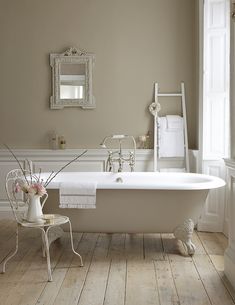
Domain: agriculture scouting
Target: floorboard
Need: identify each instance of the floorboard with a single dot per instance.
(119, 269)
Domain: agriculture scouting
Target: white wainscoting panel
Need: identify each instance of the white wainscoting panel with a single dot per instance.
(229, 257)
(212, 219)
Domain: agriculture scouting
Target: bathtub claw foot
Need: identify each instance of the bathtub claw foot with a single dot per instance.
(184, 233)
(190, 247)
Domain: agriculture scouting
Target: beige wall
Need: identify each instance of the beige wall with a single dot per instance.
(136, 43)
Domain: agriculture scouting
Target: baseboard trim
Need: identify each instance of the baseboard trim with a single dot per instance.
(209, 227)
(6, 214)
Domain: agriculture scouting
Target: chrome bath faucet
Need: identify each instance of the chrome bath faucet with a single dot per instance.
(118, 155)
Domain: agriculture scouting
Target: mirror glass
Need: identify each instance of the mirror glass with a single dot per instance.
(72, 79)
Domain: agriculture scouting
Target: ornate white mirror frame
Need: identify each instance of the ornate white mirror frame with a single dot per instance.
(77, 58)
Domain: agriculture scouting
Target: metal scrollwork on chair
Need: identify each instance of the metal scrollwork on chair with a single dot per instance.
(17, 203)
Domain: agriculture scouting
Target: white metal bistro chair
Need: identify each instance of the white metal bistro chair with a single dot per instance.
(18, 206)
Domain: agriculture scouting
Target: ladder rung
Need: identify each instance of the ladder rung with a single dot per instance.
(180, 94)
(169, 94)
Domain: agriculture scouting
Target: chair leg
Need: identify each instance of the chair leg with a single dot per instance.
(14, 253)
(45, 237)
(71, 238)
(43, 246)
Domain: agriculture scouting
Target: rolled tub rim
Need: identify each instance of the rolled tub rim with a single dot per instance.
(202, 181)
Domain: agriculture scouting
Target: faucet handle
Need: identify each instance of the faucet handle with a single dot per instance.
(132, 161)
(132, 156)
(109, 162)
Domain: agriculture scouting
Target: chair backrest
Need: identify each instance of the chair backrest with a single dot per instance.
(18, 201)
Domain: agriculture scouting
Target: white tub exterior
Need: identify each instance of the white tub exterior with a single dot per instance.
(143, 202)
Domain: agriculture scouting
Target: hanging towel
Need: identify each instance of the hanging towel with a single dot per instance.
(173, 170)
(174, 122)
(76, 195)
(170, 140)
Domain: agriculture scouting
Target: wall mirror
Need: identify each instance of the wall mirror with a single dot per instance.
(72, 79)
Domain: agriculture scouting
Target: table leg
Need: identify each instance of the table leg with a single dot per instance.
(71, 238)
(14, 253)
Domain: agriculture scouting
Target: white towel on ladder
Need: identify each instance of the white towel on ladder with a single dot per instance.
(78, 195)
(171, 136)
(174, 122)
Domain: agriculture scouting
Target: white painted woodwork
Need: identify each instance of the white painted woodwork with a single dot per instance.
(230, 251)
(226, 209)
(215, 107)
(216, 80)
(212, 219)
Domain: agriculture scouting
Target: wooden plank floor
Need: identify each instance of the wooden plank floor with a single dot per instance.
(119, 269)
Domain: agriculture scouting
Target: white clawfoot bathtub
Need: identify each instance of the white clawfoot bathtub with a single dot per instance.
(139, 202)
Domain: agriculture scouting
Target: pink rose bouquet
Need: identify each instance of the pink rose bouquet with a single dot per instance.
(34, 188)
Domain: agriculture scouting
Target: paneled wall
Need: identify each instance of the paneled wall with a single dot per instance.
(229, 257)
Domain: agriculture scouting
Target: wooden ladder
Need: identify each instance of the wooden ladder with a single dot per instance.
(158, 95)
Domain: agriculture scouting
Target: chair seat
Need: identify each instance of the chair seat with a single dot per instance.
(57, 220)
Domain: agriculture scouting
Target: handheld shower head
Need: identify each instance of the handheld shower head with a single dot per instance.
(102, 145)
(115, 136)
(118, 136)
